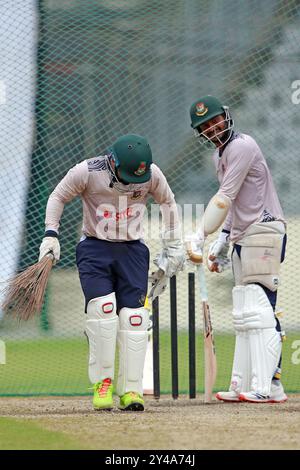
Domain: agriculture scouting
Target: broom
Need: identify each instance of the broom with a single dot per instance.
(25, 292)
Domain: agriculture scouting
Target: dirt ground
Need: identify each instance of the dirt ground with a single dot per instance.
(165, 424)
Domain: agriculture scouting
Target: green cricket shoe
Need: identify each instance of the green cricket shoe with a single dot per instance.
(103, 395)
(131, 401)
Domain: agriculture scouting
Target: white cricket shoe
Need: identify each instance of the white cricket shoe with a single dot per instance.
(229, 397)
(277, 395)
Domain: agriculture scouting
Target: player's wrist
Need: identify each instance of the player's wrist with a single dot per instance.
(50, 233)
(224, 237)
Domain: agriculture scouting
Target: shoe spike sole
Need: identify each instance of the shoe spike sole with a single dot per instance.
(133, 407)
(103, 409)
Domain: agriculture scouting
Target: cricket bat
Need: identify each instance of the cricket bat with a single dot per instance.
(210, 360)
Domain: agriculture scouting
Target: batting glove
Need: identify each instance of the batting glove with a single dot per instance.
(217, 259)
(194, 247)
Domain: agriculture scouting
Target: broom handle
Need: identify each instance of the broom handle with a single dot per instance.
(49, 255)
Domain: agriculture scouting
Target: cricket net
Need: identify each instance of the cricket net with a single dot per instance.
(77, 74)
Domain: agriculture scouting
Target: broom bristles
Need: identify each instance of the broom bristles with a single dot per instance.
(25, 292)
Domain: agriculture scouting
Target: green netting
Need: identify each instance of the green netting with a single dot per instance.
(92, 70)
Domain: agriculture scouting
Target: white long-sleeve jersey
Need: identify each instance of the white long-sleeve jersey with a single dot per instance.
(107, 213)
(245, 178)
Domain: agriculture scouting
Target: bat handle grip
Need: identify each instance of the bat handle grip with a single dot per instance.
(202, 282)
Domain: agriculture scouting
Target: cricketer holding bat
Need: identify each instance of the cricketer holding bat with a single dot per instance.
(113, 260)
(248, 207)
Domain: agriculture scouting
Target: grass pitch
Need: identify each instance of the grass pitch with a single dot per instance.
(24, 434)
(71, 422)
(59, 366)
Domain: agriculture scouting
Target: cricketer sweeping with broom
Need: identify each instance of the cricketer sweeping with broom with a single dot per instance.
(113, 260)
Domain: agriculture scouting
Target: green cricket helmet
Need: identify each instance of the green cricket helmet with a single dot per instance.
(205, 109)
(133, 157)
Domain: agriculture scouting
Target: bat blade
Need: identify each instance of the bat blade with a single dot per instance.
(210, 361)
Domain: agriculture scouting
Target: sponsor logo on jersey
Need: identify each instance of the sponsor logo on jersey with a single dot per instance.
(136, 195)
(107, 214)
(201, 109)
(141, 169)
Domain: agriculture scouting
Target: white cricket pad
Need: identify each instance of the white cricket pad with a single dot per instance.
(132, 342)
(101, 330)
(264, 339)
(148, 385)
(241, 369)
